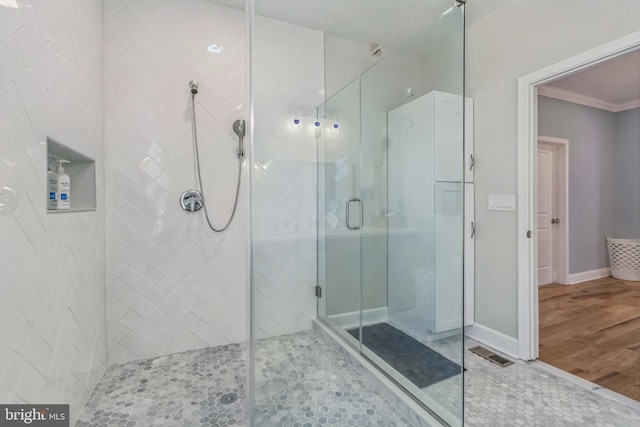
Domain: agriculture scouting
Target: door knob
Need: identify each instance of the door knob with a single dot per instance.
(555, 221)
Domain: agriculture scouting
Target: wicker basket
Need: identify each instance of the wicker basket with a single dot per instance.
(624, 257)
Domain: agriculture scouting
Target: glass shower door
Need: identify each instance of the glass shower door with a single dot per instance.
(412, 163)
(339, 204)
(390, 235)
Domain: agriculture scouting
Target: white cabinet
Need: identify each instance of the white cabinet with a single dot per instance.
(469, 252)
(469, 158)
(426, 187)
(469, 214)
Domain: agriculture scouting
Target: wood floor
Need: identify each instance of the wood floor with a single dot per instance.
(592, 330)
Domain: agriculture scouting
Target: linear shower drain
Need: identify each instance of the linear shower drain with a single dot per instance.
(491, 356)
(228, 398)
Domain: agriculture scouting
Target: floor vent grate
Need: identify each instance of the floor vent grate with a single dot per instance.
(491, 356)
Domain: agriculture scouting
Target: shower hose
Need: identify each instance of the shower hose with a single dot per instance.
(195, 148)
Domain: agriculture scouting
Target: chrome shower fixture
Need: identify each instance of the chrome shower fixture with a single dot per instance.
(376, 49)
(193, 200)
(240, 128)
(194, 87)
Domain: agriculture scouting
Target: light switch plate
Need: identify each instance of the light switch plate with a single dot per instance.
(502, 202)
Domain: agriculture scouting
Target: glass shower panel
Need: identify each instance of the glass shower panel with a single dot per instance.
(339, 207)
(379, 165)
(412, 191)
(287, 86)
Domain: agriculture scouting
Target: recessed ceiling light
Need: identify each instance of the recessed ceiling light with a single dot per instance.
(214, 48)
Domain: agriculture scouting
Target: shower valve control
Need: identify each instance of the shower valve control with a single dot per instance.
(191, 200)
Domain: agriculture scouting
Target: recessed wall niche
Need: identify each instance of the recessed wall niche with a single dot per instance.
(82, 175)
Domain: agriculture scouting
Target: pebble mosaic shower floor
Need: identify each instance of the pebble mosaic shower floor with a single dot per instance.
(179, 390)
(302, 381)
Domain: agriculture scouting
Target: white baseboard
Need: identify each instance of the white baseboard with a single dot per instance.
(370, 316)
(585, 276)
(494, 339)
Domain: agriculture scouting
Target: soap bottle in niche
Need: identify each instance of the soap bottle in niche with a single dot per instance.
(52, 190)
(63, 186)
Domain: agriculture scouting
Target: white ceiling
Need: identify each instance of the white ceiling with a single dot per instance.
(388, 22)
(613, 85)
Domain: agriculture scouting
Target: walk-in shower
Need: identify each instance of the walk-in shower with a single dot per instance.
(371, 147)
(193, 200)
(339, 197)
(334, 295)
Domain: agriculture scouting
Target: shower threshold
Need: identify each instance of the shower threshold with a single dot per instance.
(417, 412)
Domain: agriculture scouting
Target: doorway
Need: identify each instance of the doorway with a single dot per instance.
(537, 220)
(528, 334)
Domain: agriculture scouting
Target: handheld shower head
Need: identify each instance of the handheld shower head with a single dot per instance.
(239, 127)
(194, 87)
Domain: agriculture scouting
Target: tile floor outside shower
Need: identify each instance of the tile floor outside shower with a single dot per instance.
(302, 381)
(523, 394)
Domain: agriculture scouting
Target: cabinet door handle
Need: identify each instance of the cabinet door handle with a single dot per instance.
(473, 229)
(349, 226)
(555, 221)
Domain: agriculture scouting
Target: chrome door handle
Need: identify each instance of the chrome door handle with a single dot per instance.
(349, 226)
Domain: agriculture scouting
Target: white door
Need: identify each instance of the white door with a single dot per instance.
(546, 211)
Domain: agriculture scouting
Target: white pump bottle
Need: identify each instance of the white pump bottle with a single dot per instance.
(59, 188)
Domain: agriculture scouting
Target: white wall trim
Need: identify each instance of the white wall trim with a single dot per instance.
(577, 98)
(494, 339)
(585, 276)
(370, 316)
(527, 149)
(628, 106)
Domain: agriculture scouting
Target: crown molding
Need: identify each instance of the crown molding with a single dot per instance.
(629, 105)
(576, 98)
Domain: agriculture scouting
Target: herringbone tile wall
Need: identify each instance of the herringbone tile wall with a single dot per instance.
(52, 321)
(288, 82)
(172, 284)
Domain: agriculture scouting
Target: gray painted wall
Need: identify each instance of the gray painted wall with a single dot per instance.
(518, 38)
(592, 169)
(604, 176)
(627, 175)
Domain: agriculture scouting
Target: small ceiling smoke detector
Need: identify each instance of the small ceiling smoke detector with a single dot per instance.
(376, 49)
